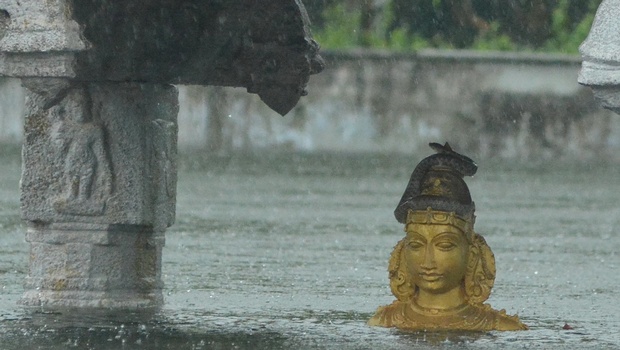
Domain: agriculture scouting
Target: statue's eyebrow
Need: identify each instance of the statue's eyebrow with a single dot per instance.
(447, 233)
(415, 234)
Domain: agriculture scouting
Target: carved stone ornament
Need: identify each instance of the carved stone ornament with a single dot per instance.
(86, 170)
(441, 272)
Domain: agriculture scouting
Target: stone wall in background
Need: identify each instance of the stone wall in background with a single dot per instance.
(515, 106)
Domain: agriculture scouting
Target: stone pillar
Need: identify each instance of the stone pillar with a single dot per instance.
(98, 191)
(601, 56)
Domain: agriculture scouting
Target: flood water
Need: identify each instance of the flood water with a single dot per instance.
(289, 251)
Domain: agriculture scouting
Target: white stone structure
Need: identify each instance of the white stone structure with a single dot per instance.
(601, 56)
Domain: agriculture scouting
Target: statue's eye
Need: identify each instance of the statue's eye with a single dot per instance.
(446, 245)
(416, 245)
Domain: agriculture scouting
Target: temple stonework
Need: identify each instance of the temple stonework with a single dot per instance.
(98, 187)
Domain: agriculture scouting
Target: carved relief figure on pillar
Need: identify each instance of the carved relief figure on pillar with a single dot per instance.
(87, 174)
(442, 271)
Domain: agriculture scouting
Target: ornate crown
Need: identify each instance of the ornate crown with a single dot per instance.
(437, 183)
(436, 217)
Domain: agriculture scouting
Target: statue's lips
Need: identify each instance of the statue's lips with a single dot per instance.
(431, 277)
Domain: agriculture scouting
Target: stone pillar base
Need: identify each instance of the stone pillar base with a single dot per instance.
(94, 265)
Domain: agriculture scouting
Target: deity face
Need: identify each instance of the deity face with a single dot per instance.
(76, 106)
(436, 257)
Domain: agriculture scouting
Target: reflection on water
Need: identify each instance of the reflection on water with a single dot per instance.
(281, 251)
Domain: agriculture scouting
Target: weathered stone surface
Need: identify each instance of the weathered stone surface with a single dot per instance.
(601, 56)
(100, 153)
(36, 64)
(38, 26)
(263, 46)
(88, 265)
(601, 49)
(98, 190)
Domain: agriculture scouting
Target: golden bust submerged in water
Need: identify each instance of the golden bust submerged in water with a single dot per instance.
(442, 271)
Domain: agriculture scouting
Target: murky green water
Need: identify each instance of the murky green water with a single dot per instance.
(289, 251)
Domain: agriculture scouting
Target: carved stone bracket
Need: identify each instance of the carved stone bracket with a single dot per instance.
(265, 46)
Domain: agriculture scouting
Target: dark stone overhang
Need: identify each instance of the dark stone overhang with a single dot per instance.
(264, 46)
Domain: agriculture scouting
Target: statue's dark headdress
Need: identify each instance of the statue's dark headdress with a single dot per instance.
(437, 183)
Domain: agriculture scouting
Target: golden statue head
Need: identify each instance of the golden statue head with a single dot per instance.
(442, 271)
(441, 251)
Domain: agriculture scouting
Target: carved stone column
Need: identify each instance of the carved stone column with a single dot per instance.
(98, 191)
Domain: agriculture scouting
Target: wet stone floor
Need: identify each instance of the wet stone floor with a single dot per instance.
(289, 251)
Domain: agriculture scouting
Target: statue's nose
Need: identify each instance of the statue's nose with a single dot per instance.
(429, 258)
